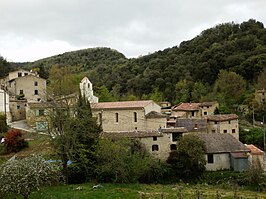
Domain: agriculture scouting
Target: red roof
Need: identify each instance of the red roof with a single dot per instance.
(187, 107)
(121, 105)
(254, 150)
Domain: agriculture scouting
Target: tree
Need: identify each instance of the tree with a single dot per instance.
(122, 160)
(3, 124)
(188, 161)
(22, 176)
(230, 87)
(261, 83)
(74, 134)
(4, 67)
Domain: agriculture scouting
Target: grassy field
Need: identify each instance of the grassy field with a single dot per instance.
(140, 191)
(39, 144)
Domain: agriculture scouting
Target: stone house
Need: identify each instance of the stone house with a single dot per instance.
(227, 123)
(158, 143)
(224, 152)
(37, 115)
(129, 115)
(33, 88)
(191, 110)
(257, 156)
(195, 125)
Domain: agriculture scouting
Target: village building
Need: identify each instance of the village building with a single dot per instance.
(129, 115)
(225, 124)
(256, 156)
(195, 125)
(22, 87)
(224, 152)
(159, 143)
(195, 110)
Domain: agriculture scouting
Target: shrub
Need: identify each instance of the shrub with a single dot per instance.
(22, 176)
(14, 141)
(3, 125)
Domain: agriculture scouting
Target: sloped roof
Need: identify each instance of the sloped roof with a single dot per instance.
(121, 105)
(174, 130)
(208, 103)
(131, 134)
(222, 143)
(254, 150)
(154, 114)
(220, 118)
(187, 107)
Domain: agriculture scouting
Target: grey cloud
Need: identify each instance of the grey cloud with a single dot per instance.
(133, 26)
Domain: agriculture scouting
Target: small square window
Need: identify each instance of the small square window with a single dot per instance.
(18, 106)
(225, 131)
(213, 131)
(233, 131)
(215, 122)
(36, 92)
(41, 112)
(35, 83)
(19, 74)
(25, 74)
(229, 122)
(154, 138)
(205, 113)
(21, 92)
(155, 147)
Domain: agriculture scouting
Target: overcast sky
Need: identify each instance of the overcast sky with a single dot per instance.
(34, 29)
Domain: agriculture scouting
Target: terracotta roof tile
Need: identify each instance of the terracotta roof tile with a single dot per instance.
(154, 114)
(187, 107)
(121, 105)
(220, 118)
(254, 150)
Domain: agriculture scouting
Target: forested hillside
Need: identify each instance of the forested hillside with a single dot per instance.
(188, 72)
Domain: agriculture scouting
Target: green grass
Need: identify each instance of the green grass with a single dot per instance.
(132, 191)
(39, 144)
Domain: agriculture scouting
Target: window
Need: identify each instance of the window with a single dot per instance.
(195, 126)
(41, 112)
(116, 117)
(173, 147)
(19, 74)
(21, 92)
(155, 147)
(35, 83)
(176, 136)
(225, 131)
(229, 122)
(215, 122)
(36, 92)
(210, 158)
(18, 106)
(233, 131)
(154, 138)
(208, 107)
(193, 113)
(205, 113)
(25, 74)
(135, 117)
(213, 131)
